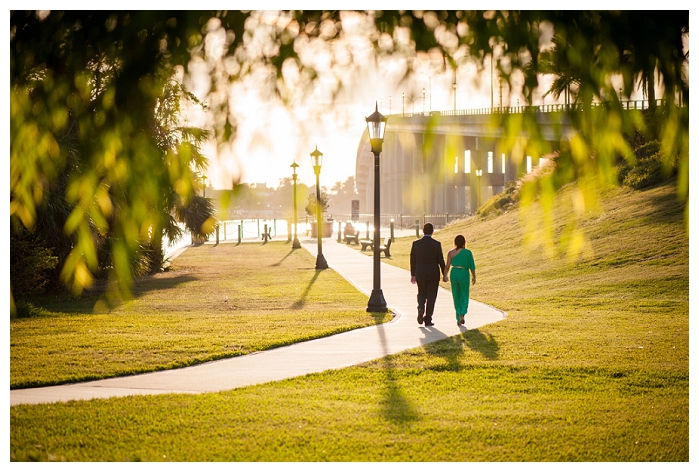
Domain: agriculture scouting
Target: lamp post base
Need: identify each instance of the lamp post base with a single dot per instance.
(296, 244)
(377, 304)
(321, 263)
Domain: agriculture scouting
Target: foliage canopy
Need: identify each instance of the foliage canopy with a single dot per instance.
(84, 87)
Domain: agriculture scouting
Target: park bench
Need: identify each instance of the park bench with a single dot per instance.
(351, 235)
(266, 234)
(385, 248)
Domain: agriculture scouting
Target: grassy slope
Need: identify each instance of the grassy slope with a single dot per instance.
(591, 365)
(626, 303)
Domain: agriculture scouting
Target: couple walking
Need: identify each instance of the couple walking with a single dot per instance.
(426, 262)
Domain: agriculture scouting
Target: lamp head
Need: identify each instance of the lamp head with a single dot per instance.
(376, 125)
(317, 160)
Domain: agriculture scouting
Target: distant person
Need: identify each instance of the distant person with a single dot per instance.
(460, 261)
(426, 262)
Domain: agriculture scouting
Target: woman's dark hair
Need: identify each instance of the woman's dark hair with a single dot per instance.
(460, 242)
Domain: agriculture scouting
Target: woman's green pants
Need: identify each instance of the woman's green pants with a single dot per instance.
(460, 283)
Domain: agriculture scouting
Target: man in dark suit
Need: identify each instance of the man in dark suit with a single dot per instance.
(426, 263)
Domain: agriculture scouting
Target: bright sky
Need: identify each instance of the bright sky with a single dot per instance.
(270, 136)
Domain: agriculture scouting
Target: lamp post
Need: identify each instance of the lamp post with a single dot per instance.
(430, 81)
(317, 163)
(500, 83)
(376, 124)
(454, 87)
(479, 173)
(403, 103)
(491, 83)
(296, 244)
(423, 100)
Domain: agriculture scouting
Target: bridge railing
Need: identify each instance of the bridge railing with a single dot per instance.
(552, 108)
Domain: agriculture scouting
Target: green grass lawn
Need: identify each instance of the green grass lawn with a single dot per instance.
(592, 364)
(215, 302)
(626, 303)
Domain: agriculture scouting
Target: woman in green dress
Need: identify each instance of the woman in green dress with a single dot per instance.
(462, 265)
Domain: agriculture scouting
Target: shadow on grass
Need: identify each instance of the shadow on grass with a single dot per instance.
(298, 304)
(483, 343)
(665, 208)
(149, 284)
(394, 406)
(451, 349)
(68, 304)
(277, 264)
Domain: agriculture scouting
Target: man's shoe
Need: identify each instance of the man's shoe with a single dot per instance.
(429, 323)
(420, 314)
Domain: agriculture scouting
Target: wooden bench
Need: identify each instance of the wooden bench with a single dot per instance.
(385, 248)
(351, 235)
(351, 238)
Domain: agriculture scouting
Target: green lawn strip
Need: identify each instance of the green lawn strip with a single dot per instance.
(215, 302)
(592, 364)
(408, 407)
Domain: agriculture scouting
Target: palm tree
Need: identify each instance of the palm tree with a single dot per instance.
(567, 75)
(180, 144)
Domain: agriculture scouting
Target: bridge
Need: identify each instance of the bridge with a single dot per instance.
(453, 161)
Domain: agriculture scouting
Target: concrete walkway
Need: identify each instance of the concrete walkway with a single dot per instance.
(333, 352)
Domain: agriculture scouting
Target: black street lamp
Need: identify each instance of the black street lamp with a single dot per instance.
(376, 123)
(296, 244)
(317, 163)
(479, 174)
(454, 87)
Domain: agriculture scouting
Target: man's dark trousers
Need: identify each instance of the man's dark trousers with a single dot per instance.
(427, 266)
(427, 292)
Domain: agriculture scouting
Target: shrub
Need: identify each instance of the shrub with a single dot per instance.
(647, 172)
(311, 207)
(30, 263)
(502, 200)
(26, 310)
(651, 167)
(648, 150)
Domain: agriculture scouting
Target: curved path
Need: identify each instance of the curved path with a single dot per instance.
(332, 352)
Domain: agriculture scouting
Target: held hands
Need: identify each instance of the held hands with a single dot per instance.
(445, 278)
